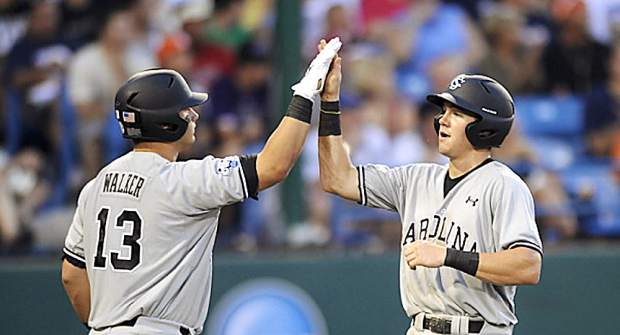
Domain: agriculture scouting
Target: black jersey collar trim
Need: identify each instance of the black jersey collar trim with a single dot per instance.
(449, 183)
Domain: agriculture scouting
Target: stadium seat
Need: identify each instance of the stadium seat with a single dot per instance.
(554, 154)
(550, 116)
(595, 196)
(347, 219)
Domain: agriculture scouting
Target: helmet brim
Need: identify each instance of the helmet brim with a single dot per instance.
(440, 99)
(196, 99)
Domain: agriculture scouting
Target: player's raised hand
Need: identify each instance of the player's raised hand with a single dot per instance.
(314, 79)
(425, 253)
(331, 91)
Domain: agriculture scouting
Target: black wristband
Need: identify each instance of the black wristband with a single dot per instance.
(300, 108)
(465, 261)
(329, 122)
(330, 106)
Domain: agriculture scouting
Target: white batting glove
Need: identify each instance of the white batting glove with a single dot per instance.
(314, 79)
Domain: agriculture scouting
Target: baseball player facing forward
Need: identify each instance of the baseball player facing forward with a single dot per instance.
(468, 230)
(138, 254)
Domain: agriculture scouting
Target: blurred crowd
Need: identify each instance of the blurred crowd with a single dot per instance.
(61, 62)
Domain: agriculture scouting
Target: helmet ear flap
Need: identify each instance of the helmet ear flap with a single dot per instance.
(481, 137)
(472, 132)
(487, 134)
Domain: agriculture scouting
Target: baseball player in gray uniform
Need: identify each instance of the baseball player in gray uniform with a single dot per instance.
(468, 230)
(138, 254)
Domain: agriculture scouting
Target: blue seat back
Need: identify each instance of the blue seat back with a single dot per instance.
(600, 215)
(550, 116)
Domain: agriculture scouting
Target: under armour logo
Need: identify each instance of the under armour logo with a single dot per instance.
(473, 201)
(457, 82)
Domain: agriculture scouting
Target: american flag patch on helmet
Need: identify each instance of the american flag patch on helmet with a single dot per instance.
(129, 117)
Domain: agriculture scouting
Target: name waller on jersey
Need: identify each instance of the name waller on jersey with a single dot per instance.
(123, 183)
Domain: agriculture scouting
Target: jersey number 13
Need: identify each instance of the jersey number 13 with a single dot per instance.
(131, 240)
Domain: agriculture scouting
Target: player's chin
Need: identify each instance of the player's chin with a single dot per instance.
(443, 147)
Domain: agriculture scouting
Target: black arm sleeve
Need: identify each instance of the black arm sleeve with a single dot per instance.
(248, 164)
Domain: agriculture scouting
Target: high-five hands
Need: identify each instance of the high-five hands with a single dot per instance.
(313, 81)
(331, 90)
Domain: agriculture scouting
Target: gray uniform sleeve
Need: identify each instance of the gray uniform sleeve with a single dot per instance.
(381, 186)
(206, 184)
(73, 250)
(513, 222)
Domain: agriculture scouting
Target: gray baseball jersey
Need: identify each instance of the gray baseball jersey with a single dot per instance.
(145, 227)
(490, 210)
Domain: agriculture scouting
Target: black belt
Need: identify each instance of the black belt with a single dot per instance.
(444, 326)
(130, 323)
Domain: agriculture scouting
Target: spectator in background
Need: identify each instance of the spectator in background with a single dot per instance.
(224, 27)
(538, 25)
(374, 14)
(13, 23)
(573, 62)
(602, 113)
(193, 16)
(371, 78)
(222, 37)
(239, 103)
(339, 23)
(23, 191)
(604, 20)
(147, 34)
(255, 13)
(555, 217)
(79, 20)
(511, 59)
(326, 19)
(402, 130)
(34, 73)
(174, 52)
(426, 31)
(94, 74)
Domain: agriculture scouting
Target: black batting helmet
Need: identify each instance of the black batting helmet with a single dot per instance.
(486, 100)
(147, 106)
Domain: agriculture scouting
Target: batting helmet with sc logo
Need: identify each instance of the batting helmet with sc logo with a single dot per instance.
(486, 100)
